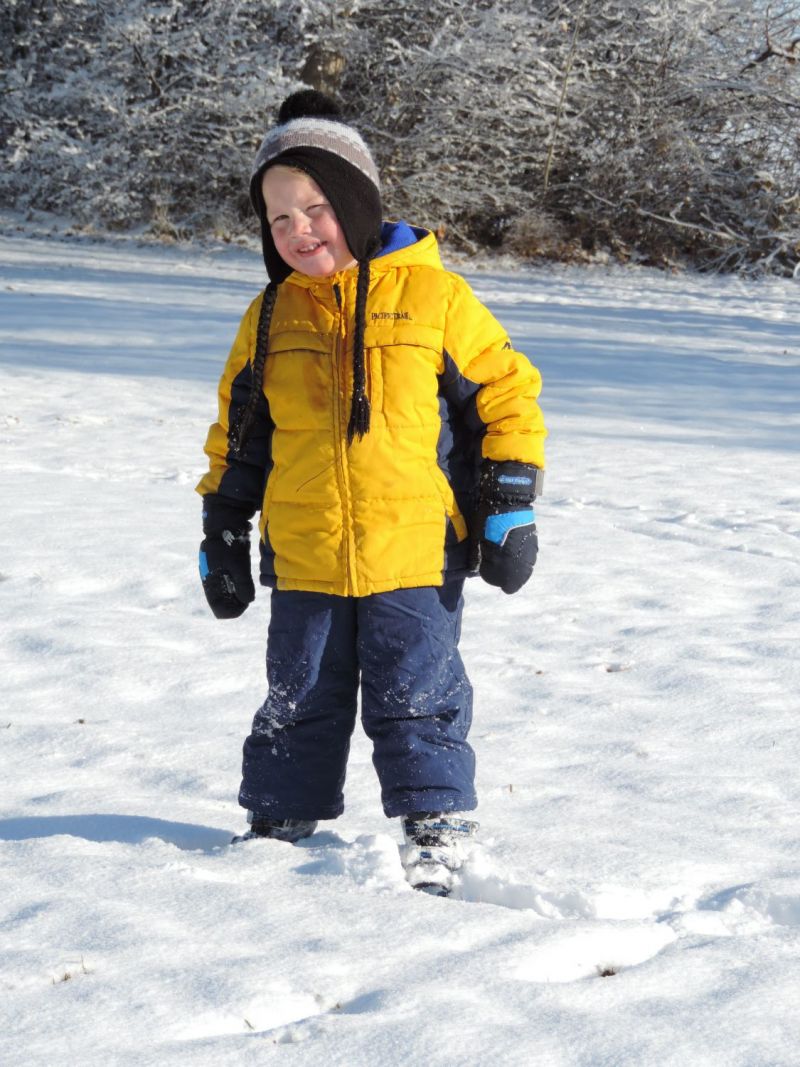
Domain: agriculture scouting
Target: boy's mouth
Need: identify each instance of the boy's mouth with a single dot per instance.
(309, 247)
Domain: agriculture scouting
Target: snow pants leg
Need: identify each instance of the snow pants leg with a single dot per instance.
(416, 699)
(296, 754)
(416, 703)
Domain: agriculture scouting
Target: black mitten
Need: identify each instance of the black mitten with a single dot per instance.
(506, 523)
(225, 558)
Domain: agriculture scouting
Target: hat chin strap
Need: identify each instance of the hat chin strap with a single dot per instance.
(359, 404)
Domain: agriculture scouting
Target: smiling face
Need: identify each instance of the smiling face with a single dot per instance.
(303, 224)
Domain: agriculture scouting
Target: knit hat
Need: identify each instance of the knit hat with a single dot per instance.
(312, 136)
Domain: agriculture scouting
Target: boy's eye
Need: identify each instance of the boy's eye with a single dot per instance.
(312, 211)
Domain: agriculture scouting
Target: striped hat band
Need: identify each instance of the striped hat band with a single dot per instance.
(325, 134)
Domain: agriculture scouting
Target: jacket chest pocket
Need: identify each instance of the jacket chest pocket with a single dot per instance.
(402, 383)
(298, 380)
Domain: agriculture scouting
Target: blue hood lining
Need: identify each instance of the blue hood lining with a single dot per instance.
(397, 235)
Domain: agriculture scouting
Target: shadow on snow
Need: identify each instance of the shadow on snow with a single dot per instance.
(125, 829)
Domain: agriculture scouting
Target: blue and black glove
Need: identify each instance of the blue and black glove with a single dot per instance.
(506, 523)
(225, 558)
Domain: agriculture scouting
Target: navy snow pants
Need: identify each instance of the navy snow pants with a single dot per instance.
(416, 703)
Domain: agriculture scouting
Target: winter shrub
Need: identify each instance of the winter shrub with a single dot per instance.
(664, 130)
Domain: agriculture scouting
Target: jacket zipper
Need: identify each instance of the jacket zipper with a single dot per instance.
(339, 432)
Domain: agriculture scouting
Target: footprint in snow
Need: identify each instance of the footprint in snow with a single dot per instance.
(589, 947)
(280, 1009)
(481, 881)
(590, 934)
(741, 910)
(373, 860)
(591, 951)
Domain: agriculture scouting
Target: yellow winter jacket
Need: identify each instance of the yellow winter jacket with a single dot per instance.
(390, 510)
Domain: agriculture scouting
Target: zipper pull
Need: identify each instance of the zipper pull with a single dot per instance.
(337, 292)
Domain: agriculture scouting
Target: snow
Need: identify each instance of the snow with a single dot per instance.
(634, 896)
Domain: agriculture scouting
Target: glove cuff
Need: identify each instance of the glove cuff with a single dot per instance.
(220, 514)
(510, 483)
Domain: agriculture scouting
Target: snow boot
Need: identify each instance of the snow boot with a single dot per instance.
(290, 830)
(434, 849)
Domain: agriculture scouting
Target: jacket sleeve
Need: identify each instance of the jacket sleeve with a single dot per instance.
(500, 385)
(239, 479)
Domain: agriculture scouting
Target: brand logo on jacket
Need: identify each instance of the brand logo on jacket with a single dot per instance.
(391, 316)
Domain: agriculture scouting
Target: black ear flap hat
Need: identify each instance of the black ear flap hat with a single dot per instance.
(312, 136)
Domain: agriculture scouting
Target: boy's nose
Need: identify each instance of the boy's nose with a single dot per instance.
(300, 222)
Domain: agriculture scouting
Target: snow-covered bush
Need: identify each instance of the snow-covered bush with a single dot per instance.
(684, 139)
(128, 112)
(659, 129)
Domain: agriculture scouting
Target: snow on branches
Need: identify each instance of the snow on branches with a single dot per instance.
(661, 130)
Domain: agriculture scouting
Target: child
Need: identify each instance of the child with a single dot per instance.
(375, 414)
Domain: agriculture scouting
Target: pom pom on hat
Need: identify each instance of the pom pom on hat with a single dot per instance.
(308, 103)
(312, 136)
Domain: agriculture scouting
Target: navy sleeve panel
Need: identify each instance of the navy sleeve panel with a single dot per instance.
(459, 453)
(461, 393)
(245, 477)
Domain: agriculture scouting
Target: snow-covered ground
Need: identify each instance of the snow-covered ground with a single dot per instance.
(635, 898)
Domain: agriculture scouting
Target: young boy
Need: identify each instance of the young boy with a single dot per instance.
(375, 414)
